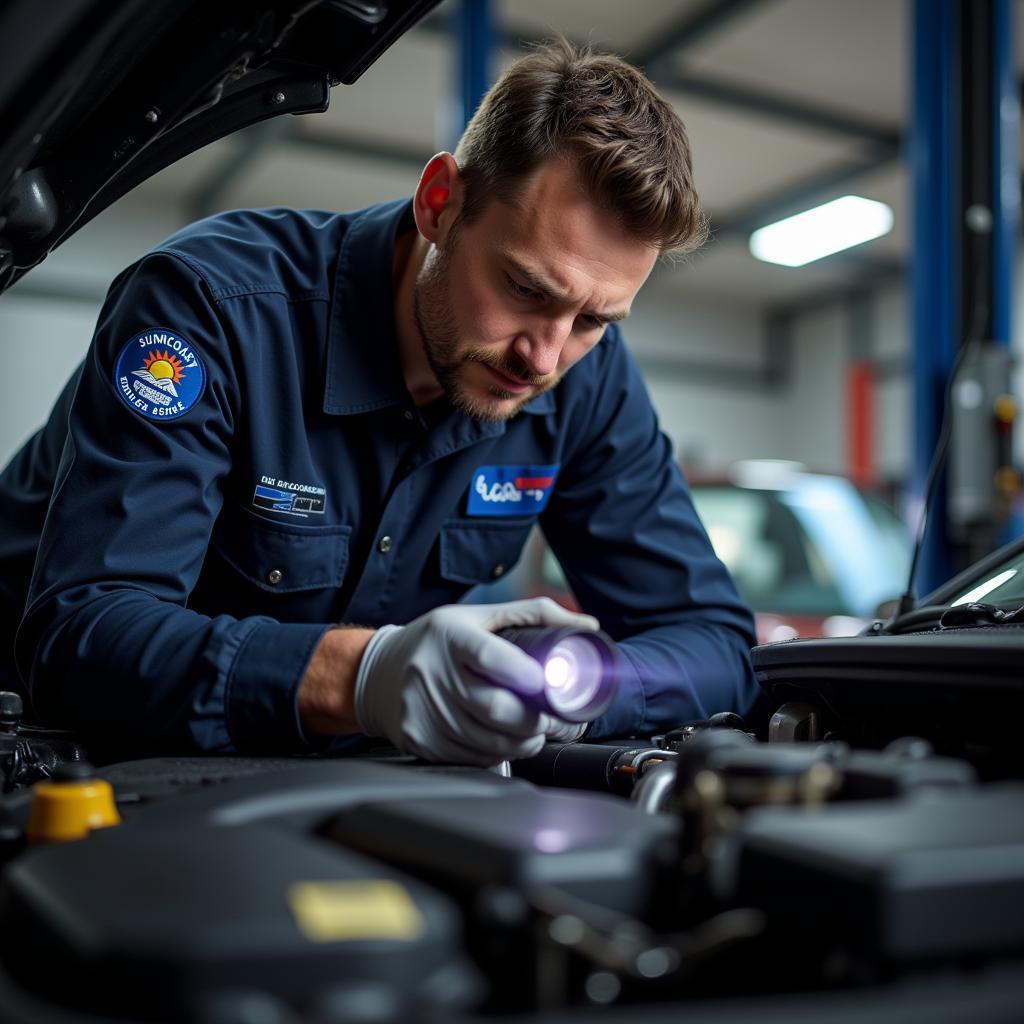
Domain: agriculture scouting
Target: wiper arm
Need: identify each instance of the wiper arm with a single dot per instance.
(928, 616)
(980, 615)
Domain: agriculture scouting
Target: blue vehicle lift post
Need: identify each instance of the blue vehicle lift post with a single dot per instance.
(935, 305)
(474, 28)
(1005, 170)
(962, 149)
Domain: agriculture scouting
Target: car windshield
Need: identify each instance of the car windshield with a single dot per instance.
(814, 547)
(1003, 586)
(774, 562)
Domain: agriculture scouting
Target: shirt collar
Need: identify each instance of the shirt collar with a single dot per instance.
(543, 403)
(363, 368)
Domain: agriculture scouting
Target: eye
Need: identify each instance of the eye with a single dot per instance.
(520, 291)
(591, 323)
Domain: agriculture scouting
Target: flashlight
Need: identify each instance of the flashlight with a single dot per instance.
(580, 669)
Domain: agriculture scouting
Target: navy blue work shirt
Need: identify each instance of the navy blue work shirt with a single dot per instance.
(238, 465)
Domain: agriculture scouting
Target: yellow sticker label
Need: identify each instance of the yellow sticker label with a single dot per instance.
(346, 911)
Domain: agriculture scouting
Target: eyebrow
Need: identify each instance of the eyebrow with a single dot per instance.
(541, 284)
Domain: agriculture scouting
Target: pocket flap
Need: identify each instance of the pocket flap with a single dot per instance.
(283, 557)
(476, 551)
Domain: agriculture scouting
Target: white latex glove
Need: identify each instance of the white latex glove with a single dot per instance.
(442, 686)
(558, 731)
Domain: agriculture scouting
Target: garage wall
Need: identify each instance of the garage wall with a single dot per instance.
(894, 450)
(816, 425)
(40, 345)
(818, 414)
(814, 422)
(707, 370)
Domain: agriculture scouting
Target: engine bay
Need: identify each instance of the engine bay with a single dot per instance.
(714, 869)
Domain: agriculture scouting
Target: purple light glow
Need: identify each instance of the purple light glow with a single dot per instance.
(551, 840)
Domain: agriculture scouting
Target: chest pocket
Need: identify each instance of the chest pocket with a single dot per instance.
(282, 558)
(474, 551)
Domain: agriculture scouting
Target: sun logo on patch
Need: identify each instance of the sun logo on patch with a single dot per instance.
(162, 369)
(159, 374)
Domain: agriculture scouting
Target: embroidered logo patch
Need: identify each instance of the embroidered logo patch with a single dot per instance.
(510, 490)
(159, 374)
(276, 495)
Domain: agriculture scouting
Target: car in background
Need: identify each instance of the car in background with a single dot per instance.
(811, 553)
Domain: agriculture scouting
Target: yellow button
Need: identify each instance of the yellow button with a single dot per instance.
(70, 810)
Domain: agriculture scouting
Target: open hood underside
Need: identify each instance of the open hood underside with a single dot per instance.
(99, 96)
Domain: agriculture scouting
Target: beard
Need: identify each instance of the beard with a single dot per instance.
(448, 359)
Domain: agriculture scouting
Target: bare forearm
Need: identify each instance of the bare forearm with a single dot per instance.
(326, 697)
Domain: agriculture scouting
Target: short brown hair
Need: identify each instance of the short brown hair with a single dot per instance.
(629, 145)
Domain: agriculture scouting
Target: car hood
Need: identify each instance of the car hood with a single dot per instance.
(97, 96)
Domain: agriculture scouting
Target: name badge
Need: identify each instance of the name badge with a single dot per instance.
(510, 490)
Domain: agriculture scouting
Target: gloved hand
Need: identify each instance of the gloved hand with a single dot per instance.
(440, 687)
(563, 732)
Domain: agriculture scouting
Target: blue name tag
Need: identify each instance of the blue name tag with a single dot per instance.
(510, 490)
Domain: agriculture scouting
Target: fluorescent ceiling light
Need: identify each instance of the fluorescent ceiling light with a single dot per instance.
(810, 235)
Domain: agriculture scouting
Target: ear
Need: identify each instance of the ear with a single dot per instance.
(438, 198)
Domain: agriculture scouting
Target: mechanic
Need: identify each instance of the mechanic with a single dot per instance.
(293, 419)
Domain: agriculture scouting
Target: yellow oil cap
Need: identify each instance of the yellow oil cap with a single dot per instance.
(70, 805)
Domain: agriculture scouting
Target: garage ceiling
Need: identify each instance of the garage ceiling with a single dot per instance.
(788, 103)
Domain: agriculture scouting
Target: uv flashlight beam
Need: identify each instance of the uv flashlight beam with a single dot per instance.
(580, 669)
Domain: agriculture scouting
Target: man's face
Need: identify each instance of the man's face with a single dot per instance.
(510, 302)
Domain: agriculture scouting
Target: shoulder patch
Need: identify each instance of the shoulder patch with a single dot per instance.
(159, 374)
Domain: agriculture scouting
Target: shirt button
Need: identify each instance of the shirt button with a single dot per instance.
(275, 576)
(384, 545)
(409, 415)
(498, 571)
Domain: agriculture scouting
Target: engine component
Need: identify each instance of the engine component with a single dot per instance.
(595, 848)
(655, 787)
(906, 766)
(71, 805)
(519, 864)
(592, 766)
(901, 881)
(153, 921)
(795, 721)
(29, 753)
(959, 688)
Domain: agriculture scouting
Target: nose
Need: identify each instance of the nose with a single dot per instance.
(541, 347)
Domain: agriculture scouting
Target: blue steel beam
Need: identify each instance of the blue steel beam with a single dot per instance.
(474, 28)
(1007, 186)
(935, 269)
